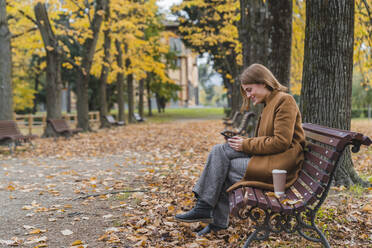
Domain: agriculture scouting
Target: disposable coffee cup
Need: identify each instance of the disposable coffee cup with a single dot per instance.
(279, 179)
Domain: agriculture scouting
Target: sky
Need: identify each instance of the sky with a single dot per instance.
(165, 8)
(165, 5)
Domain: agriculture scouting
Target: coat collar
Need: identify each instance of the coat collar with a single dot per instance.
(270, 97)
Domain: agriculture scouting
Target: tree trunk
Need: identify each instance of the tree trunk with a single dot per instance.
(141, 90)
(53, 69)
(280, 39)
(36, 88)
(327, 72)
(253, 31)
(105, 69)
(6, 95)
(88, 51)
(148, 81)
(158, 102)
(130, 98)
(120, 82)
(129, 91)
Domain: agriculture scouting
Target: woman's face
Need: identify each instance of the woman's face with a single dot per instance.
(256, 92)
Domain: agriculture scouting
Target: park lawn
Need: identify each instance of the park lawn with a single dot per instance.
(174, 114)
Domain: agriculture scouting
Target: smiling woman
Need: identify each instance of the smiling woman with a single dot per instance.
(257, 93)
(278, 144)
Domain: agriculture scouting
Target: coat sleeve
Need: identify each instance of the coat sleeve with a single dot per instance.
(284, 123)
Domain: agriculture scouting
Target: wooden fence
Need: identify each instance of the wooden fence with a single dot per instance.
(30, 122)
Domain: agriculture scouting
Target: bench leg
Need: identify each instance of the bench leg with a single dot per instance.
(322, 238)
(10, 148)
(303, 226)
(250, 239)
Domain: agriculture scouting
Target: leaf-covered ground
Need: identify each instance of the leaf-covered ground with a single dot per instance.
(121, 187)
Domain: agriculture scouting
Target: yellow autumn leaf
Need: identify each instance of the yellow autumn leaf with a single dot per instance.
(37, 231)
(77, 242)
(367, 208)
(10, 188)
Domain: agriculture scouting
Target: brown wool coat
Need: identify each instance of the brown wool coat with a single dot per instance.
(279, 143)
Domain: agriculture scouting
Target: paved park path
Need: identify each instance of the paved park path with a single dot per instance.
(40, 198)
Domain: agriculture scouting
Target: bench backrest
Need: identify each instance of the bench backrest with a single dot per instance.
(110, 119)
(242, 129)
(322, 155)
(137, 117)
(59, 125)
(8, 127)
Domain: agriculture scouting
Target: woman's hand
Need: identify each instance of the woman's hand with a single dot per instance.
(236, 143)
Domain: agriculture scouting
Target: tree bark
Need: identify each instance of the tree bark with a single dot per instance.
(280, 39)
(253, 31)
(105, 70)
(6, 95)
(327, 72)
(130, 97)
(53, 68)
(120, 82)
(129, 90)
(141, 90)
(148, 81)
(88, 51)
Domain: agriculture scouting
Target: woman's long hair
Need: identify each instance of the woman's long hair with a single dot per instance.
(258, 74)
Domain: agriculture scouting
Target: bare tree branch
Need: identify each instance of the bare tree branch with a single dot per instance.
(20, 34)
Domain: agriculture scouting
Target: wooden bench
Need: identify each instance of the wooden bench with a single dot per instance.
(296, 210)
(243, 127)
(10, 135)
(233, 121)
(138, 118)
(111, 120)
(61, 127)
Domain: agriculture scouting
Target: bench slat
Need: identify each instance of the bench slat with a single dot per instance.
(261, 199)
(307, 197)
(274, 204)
(328, 167)
(250, 197)
(337, 143)
(286, 209)
(314, 186)
(314, 172)
(239, 197)
(292, 196)
(328, 131)
(232, 203)
(332, 155)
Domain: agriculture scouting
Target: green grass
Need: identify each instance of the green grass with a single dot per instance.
(185, 114)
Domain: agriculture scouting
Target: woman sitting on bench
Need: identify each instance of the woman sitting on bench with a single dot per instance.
(278, 144)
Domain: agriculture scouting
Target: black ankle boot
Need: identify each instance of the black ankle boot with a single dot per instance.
(201, 212)
(210, 228)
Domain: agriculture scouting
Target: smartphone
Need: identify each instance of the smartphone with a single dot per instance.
(228, 134)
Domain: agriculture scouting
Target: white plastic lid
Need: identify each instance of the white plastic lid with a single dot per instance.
(279, 171)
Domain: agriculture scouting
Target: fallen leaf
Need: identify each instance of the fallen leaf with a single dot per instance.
(67, 232)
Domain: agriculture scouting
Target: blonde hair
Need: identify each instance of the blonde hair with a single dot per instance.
(258, 74)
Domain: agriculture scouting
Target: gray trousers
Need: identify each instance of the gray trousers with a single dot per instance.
(223, 168)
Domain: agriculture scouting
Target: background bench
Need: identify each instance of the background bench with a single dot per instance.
(138, 118)
(296, 211)
(61, 127)
(245, 127)
(10, 135)
(233, 122)
(111, 120)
